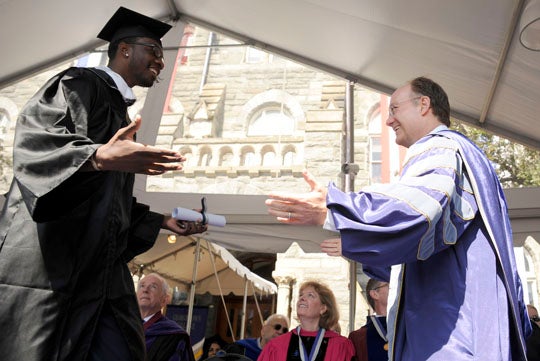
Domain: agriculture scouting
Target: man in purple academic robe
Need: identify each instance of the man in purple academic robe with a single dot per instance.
(444, 228)
(165, 339)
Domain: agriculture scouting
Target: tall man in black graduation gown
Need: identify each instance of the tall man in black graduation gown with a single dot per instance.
(70, 223)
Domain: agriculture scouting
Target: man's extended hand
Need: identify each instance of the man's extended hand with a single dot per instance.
(304, 208)
(122, 153)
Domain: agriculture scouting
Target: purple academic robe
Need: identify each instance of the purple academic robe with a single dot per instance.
(370, 341)
(175, 346)
(459, 296)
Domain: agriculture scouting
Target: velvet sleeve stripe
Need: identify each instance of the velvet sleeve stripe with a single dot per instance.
(423, 204)
(422, 165)
(447, 163)
(446, 185)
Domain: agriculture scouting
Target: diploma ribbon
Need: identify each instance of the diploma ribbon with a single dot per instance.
(203, 211)
(314, 349)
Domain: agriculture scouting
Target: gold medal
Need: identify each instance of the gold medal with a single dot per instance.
(386, 346)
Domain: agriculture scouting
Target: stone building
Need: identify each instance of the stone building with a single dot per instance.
(250, 122)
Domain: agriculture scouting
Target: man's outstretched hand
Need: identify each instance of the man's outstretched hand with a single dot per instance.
(305, 208)
(123, 153)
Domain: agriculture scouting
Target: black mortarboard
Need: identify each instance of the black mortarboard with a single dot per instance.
(127, 23)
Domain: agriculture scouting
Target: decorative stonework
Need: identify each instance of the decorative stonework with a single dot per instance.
(333, 95)
(206, 118)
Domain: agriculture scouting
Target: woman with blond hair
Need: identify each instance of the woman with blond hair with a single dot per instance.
(314, 339)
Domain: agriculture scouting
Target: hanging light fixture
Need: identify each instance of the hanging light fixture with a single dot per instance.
(171, 238)
(529, 29)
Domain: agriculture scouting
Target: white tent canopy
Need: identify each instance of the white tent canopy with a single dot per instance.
(217, 271)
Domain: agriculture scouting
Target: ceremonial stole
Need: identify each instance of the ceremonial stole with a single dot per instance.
(314, 349)
(376, 339)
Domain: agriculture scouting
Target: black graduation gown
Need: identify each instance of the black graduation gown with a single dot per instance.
(65, 235)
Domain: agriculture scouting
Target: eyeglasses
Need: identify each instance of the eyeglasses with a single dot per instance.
(535, 318)
(376, 288)
(278, 327)
(158, 51)
(392, 108)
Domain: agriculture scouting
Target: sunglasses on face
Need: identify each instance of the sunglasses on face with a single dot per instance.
(278, 327)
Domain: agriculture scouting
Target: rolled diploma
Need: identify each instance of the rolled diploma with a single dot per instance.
(184, 214)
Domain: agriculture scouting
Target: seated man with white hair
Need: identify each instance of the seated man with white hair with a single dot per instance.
(165, 339)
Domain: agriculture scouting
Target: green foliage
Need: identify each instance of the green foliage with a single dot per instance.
(515, 164)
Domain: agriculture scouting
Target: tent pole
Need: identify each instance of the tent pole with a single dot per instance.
(350, 169)
(244, 309)
(259, 312)
(193, 286)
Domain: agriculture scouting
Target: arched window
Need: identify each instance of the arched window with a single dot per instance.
(226, 157)
(268, 156)
(385, 156)
(248, 157)
(190, 159)
(289, 156)
(530, 275)
(271, 120)
(273, 113)
(205, 157)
